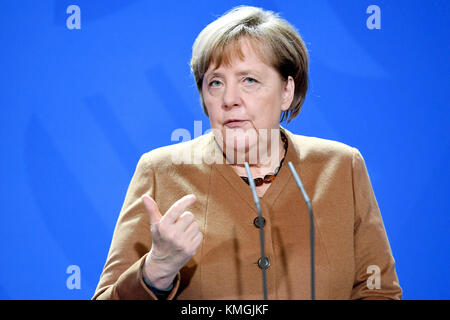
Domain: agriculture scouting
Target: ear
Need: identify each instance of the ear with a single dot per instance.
(288, 93)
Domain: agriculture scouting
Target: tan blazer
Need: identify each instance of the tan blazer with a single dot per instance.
(353, 259)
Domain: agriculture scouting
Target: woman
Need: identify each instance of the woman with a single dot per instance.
(187, 228)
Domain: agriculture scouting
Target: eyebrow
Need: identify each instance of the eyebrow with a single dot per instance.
(240, 73)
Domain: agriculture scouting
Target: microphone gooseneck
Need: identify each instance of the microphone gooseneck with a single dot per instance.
(261, 228)
(311, 226)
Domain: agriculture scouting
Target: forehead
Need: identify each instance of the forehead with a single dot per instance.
(238, 51)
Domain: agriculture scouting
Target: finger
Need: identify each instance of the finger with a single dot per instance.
(197, 240)
(192, 230)
(184, 221)
(178, 208)
(152, 209)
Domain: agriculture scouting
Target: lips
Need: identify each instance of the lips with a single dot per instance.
(234, 123)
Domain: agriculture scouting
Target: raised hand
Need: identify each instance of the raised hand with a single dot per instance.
(175, 239)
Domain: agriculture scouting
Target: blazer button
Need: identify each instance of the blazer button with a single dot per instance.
(264, 263)
(257, 223)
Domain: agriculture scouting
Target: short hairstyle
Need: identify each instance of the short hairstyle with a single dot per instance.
(273, 38)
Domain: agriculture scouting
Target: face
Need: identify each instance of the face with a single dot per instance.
(244, 97)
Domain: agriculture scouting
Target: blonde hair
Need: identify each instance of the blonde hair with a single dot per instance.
(272, 37)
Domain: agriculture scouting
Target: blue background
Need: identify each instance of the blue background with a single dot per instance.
(79, 107)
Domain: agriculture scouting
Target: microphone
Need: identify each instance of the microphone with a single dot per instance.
(311, 226)
(261, 229)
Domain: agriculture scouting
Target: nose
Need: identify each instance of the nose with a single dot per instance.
(231, 96)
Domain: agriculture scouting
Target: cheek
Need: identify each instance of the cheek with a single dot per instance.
(212, 108)
(266, 110)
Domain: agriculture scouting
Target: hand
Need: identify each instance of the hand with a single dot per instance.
(175, 239)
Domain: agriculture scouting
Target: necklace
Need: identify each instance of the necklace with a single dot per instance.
(269, 178)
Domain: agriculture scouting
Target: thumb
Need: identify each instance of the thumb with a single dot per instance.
(152, 209)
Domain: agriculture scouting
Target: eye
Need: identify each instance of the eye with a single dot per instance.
(249, 80)
(214, 83)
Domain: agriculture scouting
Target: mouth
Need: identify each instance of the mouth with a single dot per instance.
(234, 123)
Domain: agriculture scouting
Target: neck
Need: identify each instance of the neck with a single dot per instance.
(270, 152)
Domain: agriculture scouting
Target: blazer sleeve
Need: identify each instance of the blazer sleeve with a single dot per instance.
(375, 275)
(122, 274)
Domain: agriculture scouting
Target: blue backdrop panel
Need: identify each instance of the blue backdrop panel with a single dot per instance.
(78, 106)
